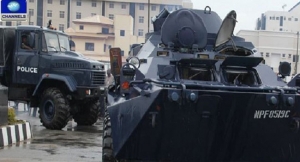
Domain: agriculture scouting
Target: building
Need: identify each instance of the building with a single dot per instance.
(95, 35)
(280, 20)
(62, 12)
(274, 46)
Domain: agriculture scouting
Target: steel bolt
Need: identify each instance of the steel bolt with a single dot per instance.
(273, 100)
(174, 96)
(193, 96)
(290, 101)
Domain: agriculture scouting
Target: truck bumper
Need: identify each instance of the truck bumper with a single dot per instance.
(90, 92)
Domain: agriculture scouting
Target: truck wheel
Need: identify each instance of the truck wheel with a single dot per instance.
(88, 114)
(107, 143)
(54, 109)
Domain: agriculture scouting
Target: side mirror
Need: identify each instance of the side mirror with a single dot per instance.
(284, 69)
(135, 61)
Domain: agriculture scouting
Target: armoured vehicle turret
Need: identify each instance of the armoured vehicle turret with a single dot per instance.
(195, 92)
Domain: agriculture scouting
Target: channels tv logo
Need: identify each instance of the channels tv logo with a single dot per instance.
(13, 10)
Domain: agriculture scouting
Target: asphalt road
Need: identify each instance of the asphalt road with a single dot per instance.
(70, 144)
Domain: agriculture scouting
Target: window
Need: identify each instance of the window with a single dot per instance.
(62, 2)
(31, 1)
(64, 42)
(94, 3)
(31, 12)
(19, 22)
(195, 73)
(49, 13)
(280, 29)
(289, 19)
(142, 6)
(93, 14)
(54, 42)
(122, 53)
(104, 48)
(277, 18)
(78, 15)
(105, 30)
(283, 55)
(290, 55)
(109, 46)
(153, 8)
(267, 54)
(296, 19)
(89, 46)
(78, 3)
(62, 14)
(295, 58)
(49, 1)
(8, 23)
(81, 27)
(123, 6)
(141, 19)
(61, 27)
(111, 5)
(122, 32)
(28, 40)
(141, 32)
(111, 16)
(262, 54)
(241, 77)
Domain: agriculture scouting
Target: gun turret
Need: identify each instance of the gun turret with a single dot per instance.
(184, 29)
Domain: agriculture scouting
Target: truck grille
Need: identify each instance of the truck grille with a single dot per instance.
(98, 78)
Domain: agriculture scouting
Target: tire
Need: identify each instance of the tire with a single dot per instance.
(107, 143)
(88, 115)
(103, 104)
(54, 109)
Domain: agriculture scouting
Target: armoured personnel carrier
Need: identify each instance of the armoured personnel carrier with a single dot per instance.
(195, 92)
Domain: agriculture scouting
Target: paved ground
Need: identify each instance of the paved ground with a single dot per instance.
(70, 144)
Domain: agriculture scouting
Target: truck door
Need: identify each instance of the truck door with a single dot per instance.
(27, 58)
(45, 56)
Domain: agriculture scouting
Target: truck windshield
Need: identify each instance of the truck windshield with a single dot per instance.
(57, 42)
(52, 42)
(64, 42)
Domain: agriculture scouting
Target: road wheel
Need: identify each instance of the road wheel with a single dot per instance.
(88, 114)
(54, 109)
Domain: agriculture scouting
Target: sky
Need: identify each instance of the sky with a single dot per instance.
(247, 10)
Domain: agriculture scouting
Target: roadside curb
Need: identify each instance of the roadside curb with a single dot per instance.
(15, 133)
(34, 112)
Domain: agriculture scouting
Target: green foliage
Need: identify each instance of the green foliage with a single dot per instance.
(12, 117)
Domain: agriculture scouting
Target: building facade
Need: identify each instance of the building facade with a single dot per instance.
(274, 46)
(63, 12)
(95, 35)
(280, 20)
